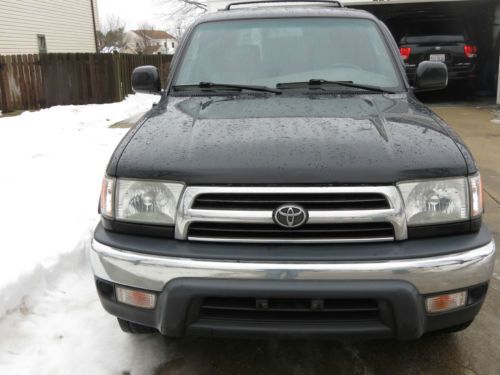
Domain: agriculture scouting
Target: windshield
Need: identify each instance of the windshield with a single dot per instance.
(266, 52)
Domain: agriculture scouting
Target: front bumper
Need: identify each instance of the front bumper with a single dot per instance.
(427, 275)
(181, 285)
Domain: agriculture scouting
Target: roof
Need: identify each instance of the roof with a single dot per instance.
(151, 50)
(154, 34)
(284, 12)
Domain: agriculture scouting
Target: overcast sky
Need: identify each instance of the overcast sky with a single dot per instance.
(133, 12)
(139, 12)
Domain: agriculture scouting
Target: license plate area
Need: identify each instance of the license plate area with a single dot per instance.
(439, 57)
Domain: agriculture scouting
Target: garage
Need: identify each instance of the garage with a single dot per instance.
(479, 20)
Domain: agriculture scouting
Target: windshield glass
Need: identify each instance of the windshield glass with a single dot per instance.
(270, 51)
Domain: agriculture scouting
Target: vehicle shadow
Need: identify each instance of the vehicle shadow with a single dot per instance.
(456, 93)
(437, 354)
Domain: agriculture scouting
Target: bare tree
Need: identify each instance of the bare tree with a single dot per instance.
(178, 30)
(189, 6)
(180, 13)
(113, 33)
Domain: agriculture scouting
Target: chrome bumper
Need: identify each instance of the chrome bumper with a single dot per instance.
(428, 275)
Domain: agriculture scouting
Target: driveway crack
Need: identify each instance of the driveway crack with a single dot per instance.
(497, 201)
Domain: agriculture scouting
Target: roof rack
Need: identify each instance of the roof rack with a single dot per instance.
(334, 3)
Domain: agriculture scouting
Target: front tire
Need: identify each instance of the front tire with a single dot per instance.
(454, 329)
(134, 328)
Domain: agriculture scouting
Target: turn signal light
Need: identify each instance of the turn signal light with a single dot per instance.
(136, 298)
(405, 52)
(470, 51)
(446, 302)
(476, 192)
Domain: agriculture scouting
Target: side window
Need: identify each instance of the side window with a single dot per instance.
(42, 44)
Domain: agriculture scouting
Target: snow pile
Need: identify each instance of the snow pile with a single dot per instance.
(52, 165)
(51, 320)
(67, 332)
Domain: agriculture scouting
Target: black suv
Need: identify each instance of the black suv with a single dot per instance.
(289, 184)
(439, 39)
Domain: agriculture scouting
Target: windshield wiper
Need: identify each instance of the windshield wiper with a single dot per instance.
(215, 86)
(320, 82)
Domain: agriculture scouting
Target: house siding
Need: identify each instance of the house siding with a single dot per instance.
(68, 26)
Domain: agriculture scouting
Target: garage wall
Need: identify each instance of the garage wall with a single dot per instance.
(68, 26)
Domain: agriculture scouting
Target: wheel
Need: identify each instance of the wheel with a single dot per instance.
(454, 329)
(134, 328)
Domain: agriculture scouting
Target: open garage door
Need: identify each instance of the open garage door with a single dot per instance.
(481, 19)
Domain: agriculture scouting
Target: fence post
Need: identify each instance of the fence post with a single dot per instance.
(37, 66)
(4, 86)
(117, 76)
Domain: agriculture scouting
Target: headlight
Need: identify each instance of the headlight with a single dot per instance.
(436, 201)
(138, 201)
(148, 202)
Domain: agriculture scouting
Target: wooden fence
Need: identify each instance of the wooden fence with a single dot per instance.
(41, 81)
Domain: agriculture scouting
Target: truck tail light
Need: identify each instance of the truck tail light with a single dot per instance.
(405, 52)
(470, 51)
(136, 298)
(446, 302)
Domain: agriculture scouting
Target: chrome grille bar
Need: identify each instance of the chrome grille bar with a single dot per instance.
(395, 214)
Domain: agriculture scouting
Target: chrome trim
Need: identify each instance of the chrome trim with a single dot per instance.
(395, 215)
(287, 240)
(428, 275)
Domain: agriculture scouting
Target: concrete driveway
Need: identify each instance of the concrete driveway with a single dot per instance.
(474, 351)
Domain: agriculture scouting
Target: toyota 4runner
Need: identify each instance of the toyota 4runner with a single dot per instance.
(289, 184)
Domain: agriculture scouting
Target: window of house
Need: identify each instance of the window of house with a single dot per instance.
(42, 43)
(173, 45)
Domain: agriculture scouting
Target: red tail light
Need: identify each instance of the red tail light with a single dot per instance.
(405, 52)
(470, 51)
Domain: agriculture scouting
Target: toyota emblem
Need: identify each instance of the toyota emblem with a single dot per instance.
(290, 216)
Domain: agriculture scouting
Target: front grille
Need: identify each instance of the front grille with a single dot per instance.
(207, 231)
(290, 310)
(316, 201)
(334, 214)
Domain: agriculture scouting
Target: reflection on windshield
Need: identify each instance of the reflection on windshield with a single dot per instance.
(268, 52)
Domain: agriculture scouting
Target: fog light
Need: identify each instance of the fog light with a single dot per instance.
(446, 302)
(136, 298)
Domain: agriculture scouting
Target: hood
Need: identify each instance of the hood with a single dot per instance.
(320, 139)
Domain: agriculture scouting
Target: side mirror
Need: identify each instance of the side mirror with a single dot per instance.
(431, 76)
(146, 80)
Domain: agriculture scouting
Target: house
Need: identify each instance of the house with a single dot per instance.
(151, 42)
(35, 26)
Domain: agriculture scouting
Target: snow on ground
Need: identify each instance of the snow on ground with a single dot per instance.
(67, 332)
(52, 162)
